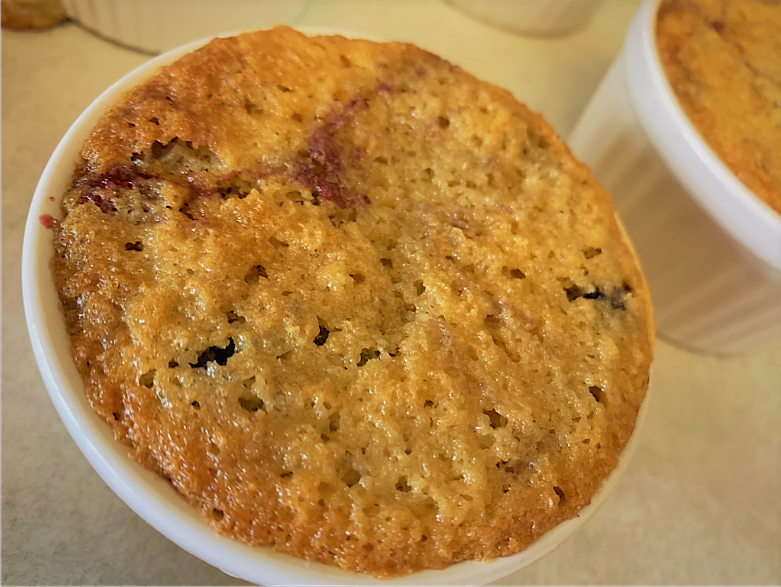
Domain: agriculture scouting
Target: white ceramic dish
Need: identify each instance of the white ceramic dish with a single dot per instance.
(144, 492)
(155, 26)
(710, 249)
(535, 18)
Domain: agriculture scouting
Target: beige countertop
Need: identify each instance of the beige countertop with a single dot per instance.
(700, 502)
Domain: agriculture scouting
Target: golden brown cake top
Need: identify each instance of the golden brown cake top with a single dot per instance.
(723, 60)
(352, 302)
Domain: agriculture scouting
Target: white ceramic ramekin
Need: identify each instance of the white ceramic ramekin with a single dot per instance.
(537, 18)
(144, 492)
(710, 249)
(155, 26)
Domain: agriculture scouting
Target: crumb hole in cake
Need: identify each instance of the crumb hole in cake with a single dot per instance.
(216, 354)
(333, 422)
(136, 246)
(218, 514)
(501, 344)
(587, 441)
(513, 273)
(487, 441)
(351, 477)
(248, 383)
(345, 62)
(598, 394)
(236, 188)
(387, 263)
(381, 160)
(286, 474)
(443, 122)
(423, 538)
(137, 157)
(591, 252)
(283, 89)
(172, 364)
(428, 404)
(322, 336)
(255, 273)
(251, 403)
(278, 244)
(419, 287)
(116, 416)
(495, 418)
(196, 404)
(297, 117)
(560, 493)
(358, 277)
(296, 197)
(178, 157)
(324, 437)
(573, 292)
(285, 356)
(252, 108)
(154, 120)
(148, 379)
(234, 317)
(367, 355)
(402, 485)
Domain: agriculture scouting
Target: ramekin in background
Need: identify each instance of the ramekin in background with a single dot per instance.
(150, 496)
(536, 18)
(710, 249)
(155, 26)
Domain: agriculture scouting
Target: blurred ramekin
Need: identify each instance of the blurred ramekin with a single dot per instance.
(536, 18)
(155, 26)
(710, 249)
(147, 494)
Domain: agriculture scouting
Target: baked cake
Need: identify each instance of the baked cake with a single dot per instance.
(352, 302)
(723, 60)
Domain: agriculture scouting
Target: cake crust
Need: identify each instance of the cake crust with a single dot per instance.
(723, 61)
(352, 302)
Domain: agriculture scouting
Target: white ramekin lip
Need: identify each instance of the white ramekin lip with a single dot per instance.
(147, 494)
(715, 187)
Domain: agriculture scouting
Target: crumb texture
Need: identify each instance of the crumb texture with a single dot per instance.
(354, 303)
(723, 60)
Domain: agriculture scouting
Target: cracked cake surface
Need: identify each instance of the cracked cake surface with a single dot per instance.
(352, 302)
(723, 61)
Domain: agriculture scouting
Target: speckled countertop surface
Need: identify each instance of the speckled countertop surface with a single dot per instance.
(700, 502)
